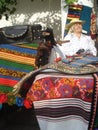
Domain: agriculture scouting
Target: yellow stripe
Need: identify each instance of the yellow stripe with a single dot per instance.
(20, 59)
(70, 18)
(75, 8)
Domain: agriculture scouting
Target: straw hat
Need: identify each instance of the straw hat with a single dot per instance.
(73, 21)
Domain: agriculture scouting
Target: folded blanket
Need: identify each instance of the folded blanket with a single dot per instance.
(84, 61)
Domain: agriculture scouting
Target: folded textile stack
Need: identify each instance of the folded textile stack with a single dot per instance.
(85, 61)
(16, 60)
(81, 61)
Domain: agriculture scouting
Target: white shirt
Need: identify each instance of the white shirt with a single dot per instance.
(84, 42)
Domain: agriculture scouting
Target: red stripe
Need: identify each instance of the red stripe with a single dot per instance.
(78, 6)
(74, 16)
(8, 82)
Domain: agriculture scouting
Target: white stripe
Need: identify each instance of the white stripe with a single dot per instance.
(40, 76)
(65, 102)
(64, 118)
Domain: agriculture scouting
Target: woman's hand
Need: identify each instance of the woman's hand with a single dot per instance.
(62, 42)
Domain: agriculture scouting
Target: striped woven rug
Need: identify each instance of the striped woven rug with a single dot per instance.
(16, 60)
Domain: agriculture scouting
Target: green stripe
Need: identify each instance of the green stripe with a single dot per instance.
(5, 88)
(31, 44)
(15, 64)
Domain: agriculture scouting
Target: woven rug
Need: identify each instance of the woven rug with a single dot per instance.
(62, 99)
(16, 60)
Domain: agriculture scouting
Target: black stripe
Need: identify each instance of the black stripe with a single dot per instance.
(64, 111)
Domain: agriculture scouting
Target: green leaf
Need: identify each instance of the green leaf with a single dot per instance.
(70, 1)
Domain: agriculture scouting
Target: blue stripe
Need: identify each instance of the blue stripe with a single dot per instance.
(19, 49)
(16, 69)
(10, 77)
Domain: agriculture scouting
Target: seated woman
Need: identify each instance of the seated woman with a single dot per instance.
(75, 42)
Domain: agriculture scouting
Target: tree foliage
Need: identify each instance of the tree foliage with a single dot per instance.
(7, 7)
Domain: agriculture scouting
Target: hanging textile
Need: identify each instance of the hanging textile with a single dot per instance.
(79, 12)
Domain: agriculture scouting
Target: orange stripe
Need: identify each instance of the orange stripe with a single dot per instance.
(20, 59)
(8, 82)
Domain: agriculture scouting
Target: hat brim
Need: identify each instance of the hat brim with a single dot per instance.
(68, 26)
